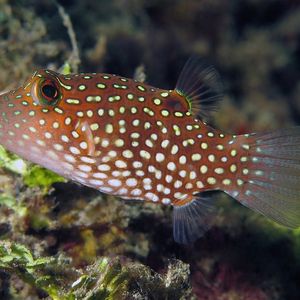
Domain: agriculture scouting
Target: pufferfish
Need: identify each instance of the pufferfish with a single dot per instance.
(128, 139)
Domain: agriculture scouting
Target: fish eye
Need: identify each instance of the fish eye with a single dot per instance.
(46, 91)
(49, 90)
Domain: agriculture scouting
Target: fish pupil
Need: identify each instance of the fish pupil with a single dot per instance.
(50, 91)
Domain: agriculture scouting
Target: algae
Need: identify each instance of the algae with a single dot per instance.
(33, 175)
(106, 278)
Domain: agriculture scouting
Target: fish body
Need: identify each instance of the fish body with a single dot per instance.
(132, 140)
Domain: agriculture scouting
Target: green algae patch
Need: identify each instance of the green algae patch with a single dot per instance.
(15, 256)
(33, 175)
(12, 162)
(107, 278)
(37, 176)
(9, 201)
(66, 69)
(17, 259)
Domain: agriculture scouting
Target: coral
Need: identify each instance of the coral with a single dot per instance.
(23, 42)
(107, 278)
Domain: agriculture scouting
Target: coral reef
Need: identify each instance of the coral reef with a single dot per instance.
(63, 241)
(106, 278)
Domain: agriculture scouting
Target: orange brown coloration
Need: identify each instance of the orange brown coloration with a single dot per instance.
(132, 140)
(135, 144)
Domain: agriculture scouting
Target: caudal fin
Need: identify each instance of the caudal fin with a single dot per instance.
(271, 183)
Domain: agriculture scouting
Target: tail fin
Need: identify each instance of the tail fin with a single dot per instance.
(271, 183)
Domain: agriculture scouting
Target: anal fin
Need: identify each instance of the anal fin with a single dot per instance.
(192, 220)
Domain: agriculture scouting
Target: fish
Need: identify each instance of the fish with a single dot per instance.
(135, 141)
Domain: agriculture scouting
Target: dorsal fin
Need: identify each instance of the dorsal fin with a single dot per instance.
(201, 85)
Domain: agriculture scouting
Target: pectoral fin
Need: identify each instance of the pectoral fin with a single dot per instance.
(201, 86)
(84, 131)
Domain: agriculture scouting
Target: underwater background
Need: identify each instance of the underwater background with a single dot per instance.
(61, 240)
